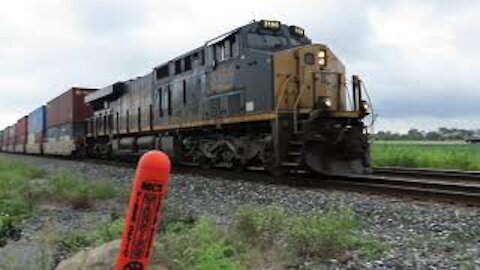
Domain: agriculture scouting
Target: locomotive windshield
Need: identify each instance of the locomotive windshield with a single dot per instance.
(274, 41)
(266, 42)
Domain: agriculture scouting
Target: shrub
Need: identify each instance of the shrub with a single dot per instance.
(261, 226)
(14, 178)
(79, 193)
(106, 232)
(202, 244)
(323, 235)
(199, 246)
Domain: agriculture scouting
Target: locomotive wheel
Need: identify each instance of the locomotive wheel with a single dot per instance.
(239, 166)
(204, 163)
(276, 170)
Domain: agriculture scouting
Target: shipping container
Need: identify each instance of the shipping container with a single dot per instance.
(66, 123)
(5, 139)
(1, 140)
(37, 126)
(70, 107)
(21, 135)
(11, 138)
(6, 134)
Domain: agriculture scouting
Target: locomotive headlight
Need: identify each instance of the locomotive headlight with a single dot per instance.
(325, 103)
(322, 58)
(364, 105)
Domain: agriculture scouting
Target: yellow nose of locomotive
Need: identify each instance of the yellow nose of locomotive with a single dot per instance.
(310, 87)
(309, 78)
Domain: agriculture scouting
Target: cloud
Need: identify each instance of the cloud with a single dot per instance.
(418, 59)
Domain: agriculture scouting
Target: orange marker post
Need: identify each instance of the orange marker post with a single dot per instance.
(146, 200)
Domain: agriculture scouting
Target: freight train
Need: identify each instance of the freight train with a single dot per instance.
(261, 95)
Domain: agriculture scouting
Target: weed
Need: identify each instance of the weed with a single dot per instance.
(196, 246)
(14, 177)
(263, 238)
(323, 236)
(76, 241)
(261, 227)
(79, 193)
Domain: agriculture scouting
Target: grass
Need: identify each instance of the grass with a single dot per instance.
(258, 238)
(262, 238)
(69, 190)
(77, 241)
(201, 245)
(460, 157)
(23, 186)
(14, 177)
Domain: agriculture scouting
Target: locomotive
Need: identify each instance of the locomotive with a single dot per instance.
(260, 95)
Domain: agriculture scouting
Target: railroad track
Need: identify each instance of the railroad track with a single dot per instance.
(450, 175)
(445, 185)
(437, 185)
(424, 184)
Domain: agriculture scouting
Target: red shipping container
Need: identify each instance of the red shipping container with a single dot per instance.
(69, 107)
(21, 131)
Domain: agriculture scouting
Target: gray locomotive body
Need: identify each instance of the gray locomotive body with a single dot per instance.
(261, 95)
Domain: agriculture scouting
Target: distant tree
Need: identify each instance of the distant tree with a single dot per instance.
(433, 136)
(415, 134)
(442, 133)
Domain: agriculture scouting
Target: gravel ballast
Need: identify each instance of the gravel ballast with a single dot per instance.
(419, 234)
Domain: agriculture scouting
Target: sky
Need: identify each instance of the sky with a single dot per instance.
(419, 59)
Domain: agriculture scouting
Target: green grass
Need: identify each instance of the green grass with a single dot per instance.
(202, 245)
(79, 192)
(461, 157)
(264, 238)
(76, 241)
(258, 238)
(14, 177)
(23, 186)
(70, 190)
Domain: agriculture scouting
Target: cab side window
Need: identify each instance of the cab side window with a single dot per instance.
(226, 48)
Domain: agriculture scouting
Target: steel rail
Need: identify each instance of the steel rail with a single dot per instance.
(427, 172)
(437, 185)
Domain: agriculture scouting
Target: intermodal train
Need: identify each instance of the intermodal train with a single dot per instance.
(261, 95)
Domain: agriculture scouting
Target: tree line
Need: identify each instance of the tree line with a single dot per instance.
(441, 134)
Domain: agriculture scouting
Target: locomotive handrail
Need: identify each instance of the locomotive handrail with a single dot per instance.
(297, 101)
(283, 90)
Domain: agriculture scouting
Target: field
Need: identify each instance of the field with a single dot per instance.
(450, 155)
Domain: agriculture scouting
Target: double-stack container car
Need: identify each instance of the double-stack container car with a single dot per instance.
(1, 140)
(66, 116)
(11, 138)
(6, 133)
(21, 135)
(37, 126)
